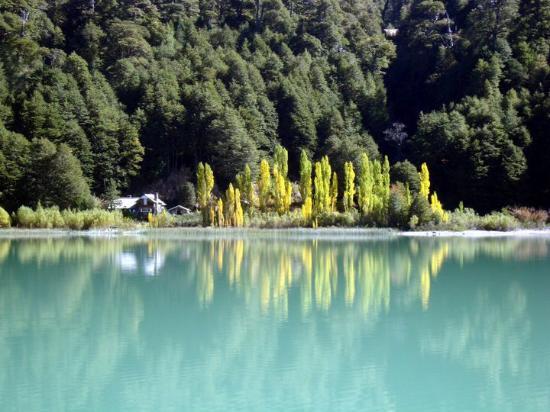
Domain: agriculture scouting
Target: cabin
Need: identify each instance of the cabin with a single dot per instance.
(140, 206)
(179, 210)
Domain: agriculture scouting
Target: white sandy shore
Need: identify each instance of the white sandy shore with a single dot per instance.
(480, 233)
(330, 233)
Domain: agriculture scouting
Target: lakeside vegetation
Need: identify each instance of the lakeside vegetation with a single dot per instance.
(271, 200)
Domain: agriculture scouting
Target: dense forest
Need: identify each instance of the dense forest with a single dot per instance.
(101, 97)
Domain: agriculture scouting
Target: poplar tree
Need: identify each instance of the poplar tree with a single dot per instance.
(365, 185)
(349, 187)
(424, 181)
(230, 215)
(333, 192)
(322, 198)
(205, 184)
(305, 176)
(239, 215)
(282, 191)
(246, 187)
(437, 209)
(220, 220)
(264, 185)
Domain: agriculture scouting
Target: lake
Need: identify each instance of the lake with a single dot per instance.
(274, 321)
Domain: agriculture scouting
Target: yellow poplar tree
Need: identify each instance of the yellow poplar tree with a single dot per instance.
(424, 181)
(349, 186)
(264, 185)
(437, 209)
(246, 186)
(333, 192)
(321, 199)
(230, 206)
(280, 159)
(307, 209)
(365, 184)
(205, 184)
(305, 176)
(220, 221)
(282, 191)
(239, 215)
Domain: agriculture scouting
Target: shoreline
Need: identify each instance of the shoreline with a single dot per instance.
(209, 232)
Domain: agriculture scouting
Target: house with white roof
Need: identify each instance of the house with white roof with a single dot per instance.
(140, 206)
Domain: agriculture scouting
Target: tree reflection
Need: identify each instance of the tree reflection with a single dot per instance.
(78, 314)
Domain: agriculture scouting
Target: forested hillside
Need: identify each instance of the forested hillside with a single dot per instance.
(116, 96)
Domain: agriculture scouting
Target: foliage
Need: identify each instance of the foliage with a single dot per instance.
(264, 185)
(141, 90)
(53, 218)
(424, 181)
(322, 199)
(205, 184)
(349, 187)
(306, 190)
(5, 220)
(530, 217)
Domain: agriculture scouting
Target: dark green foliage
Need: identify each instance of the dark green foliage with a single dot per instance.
(398, 214)
(406, 173)
(144, 90)
(420, 208)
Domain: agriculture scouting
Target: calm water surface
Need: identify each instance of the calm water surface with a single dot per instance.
(274, 322)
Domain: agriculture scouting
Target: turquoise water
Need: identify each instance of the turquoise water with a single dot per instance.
(274, 322)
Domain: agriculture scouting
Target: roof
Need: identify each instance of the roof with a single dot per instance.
(151, 197)
(129, 202)
(179, 207)
(125, 202)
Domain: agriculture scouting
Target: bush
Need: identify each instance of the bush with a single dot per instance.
(499, 221)
(272, 220)
(52, 218)
(398, 213)
(530, 217)
(405, 172)
(161, 220)
(25, 217)
(331, 219)
(190, 220)
(421, 209)
(5, 220)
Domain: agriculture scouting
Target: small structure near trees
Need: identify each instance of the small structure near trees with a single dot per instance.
(141, 206)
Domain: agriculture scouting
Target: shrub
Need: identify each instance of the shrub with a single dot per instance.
(74, 220)
(405, 172)
(161, 220)
(25, 217)
(190, 220)
(499, 221)
(5, 220)
(346, 219)
(421, 209)
(530, 217)
(398, 213)
(272, 220)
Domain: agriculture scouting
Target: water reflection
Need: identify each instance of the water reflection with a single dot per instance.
(142, 323)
